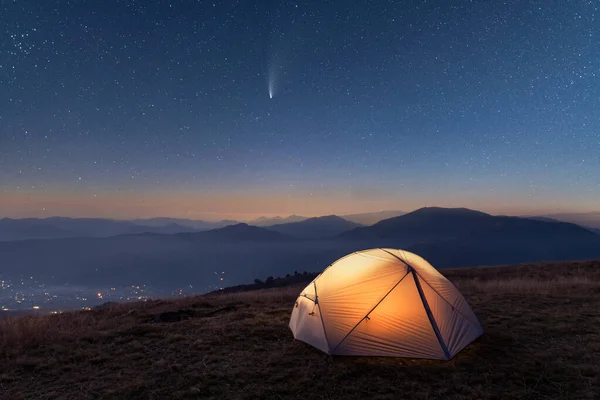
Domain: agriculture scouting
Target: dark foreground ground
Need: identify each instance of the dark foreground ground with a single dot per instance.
(541, 341)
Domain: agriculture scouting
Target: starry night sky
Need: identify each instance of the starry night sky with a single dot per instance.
(145, 108)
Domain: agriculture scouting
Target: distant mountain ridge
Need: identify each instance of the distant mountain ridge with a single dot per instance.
(264, 221)
(62, 227)
(65, 227)
(189, 223)
(315, 228)
(238, 232)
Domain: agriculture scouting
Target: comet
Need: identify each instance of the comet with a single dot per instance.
(273, 75)
(271, 81)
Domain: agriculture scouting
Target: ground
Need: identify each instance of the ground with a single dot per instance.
(541, 341)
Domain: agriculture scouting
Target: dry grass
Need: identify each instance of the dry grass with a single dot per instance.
(559, 284)
(542, 341)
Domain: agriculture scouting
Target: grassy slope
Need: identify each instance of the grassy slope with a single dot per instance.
(542, 340)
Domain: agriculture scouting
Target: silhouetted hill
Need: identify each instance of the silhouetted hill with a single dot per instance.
(315, 228)
(462, 237)
(372, 217)
(506, 240)
(264, 221)
(62, 227)
(424, 224)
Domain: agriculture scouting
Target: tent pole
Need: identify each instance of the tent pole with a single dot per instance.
(434, 325)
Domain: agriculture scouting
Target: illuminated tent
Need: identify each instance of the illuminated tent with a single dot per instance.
(384, 302)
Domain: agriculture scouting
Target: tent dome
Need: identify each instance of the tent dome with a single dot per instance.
(384, 302)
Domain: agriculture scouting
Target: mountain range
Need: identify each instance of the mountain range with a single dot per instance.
(63, 227)
(445, 237)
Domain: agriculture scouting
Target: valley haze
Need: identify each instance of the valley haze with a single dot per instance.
(93, 261)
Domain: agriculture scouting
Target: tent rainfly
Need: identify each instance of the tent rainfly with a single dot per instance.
(384, 302)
